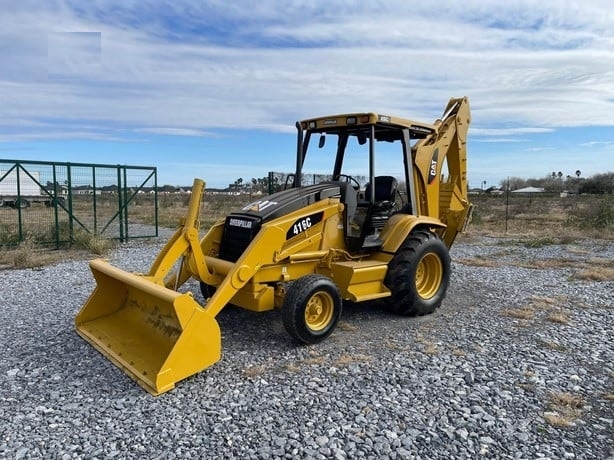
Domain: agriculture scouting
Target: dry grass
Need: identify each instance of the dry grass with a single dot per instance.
(478, 261)
(457, 352)
(28, 254)
(563, 409)
(553, 306)
(431, 349)
(394, 345)
(25, 255)
(558, 420)
(253, 371)
(558, 317)
(551, 345)
(551, 264)
(539, 220)
(595, 274)
(347, 359)
(344, 326)
(315, 358)
(96, 244)
(525, 313)
(293, 367)
(546, 302)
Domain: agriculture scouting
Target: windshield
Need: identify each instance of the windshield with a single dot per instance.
(346, 152)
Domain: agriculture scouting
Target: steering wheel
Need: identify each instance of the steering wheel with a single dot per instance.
(351, 180)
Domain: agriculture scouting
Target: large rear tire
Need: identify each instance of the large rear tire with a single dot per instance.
(311, 309)
(418, 275)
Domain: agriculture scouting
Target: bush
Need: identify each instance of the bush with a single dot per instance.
(605, 214)
(599, 184)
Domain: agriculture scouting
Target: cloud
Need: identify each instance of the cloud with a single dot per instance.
(192, 67)
(176, 132)
(509, 131)
(539, 149)
(597, 143)
(73, 55)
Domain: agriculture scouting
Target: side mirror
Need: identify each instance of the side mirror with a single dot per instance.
(362, 138)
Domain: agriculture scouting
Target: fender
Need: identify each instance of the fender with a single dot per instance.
(399, 226)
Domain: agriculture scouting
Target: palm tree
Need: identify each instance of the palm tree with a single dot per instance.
(578, 173)
(560, 174)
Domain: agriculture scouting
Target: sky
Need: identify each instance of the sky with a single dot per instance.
(212, 88)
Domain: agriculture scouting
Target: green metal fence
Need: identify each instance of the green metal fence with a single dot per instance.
(54, 203)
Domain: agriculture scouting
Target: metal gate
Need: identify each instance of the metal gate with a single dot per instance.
(53, 203)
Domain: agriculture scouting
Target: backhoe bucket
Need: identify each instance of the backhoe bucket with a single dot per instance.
(157, 335)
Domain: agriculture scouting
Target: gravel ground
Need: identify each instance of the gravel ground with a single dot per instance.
(473, 380)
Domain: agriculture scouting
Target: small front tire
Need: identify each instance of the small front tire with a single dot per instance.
(311, 309)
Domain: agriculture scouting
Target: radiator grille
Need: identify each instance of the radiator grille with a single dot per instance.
(239, 231)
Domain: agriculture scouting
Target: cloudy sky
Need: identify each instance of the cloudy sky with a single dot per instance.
(212, 88)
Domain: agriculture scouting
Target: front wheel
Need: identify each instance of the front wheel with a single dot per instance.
(311, 309)
(418, 275)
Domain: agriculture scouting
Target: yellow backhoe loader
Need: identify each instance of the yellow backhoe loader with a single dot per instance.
(303, 250)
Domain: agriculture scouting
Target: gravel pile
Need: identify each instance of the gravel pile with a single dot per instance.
(517, 363)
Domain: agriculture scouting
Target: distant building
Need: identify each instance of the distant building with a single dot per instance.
(529, 190)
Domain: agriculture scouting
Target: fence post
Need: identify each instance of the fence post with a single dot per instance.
(94, 200)
(18, 200)
(56, 217)
(120, 210)
(507, 203)
(71, 226)
(126, 202)
(156, 199)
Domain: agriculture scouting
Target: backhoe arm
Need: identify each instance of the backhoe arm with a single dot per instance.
(441, 170)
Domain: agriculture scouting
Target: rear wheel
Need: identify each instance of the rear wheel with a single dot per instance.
(418, 274)
(311, 309)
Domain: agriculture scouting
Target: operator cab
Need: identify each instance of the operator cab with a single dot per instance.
(375, 144)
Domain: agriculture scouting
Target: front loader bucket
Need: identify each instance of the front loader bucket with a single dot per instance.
(158, 336)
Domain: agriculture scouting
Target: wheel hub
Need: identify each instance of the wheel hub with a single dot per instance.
(319, 311)
(429, 275)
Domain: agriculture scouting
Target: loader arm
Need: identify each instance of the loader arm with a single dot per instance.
(440, 172)
(184, 244)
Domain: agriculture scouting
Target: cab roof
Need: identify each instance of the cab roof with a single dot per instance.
(354, 121)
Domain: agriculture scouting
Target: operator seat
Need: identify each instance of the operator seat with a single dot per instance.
(385, 192)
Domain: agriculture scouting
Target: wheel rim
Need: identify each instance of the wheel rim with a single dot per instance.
(319, 311)
(429, 275)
